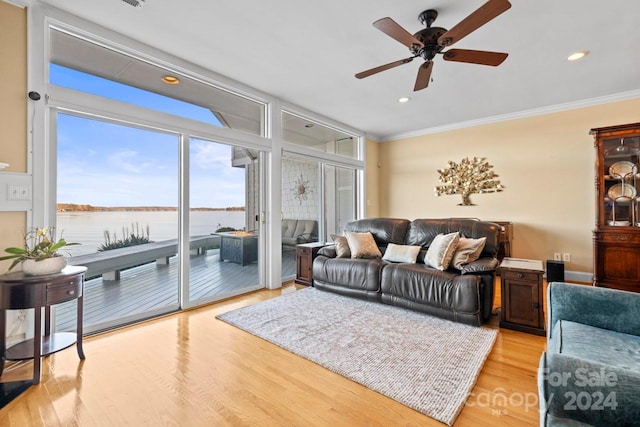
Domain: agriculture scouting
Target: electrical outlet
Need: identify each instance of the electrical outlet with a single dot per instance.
(557, 256)
(566, 257)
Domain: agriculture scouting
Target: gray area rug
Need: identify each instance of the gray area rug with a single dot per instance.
(426, 363)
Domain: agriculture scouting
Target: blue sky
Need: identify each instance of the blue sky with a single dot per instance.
(105, 164)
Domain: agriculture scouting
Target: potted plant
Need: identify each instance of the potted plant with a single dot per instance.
(40, 254)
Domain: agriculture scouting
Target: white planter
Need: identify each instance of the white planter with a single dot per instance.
(45, 266)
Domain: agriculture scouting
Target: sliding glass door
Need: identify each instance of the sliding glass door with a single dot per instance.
(340, 198)
(224, 230)
(117, 195)
(300, 214)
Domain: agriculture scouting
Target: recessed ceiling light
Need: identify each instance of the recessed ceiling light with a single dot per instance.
(577, 55)
(171, 80)
(404, 99)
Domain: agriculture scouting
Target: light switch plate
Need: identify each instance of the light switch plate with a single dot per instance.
(18, 192)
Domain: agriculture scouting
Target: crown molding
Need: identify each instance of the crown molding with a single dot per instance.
(623, 96)
(20, 3)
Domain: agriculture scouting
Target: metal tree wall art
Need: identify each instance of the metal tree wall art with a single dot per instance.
(470, 176)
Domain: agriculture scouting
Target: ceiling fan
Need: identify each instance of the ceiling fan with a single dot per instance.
(430, 41)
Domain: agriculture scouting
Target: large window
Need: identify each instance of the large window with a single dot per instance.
(307, 133)
(340, 198)
(144, 150)
(88, 67)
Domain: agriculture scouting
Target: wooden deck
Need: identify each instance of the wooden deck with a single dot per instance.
(151, 288)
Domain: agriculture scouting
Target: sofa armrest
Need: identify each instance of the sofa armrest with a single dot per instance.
(328, 251)
(571, 388)
(481, 265)
(306, 238)
(604, 308)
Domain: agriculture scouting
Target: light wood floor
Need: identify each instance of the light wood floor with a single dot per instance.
(189, 369)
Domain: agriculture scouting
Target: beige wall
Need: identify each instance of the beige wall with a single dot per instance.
(546, 164)
(13, 116)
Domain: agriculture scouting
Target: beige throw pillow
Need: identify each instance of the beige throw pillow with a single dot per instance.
(342, 246)
(362, 245)
(401, 253)
(441, 250)
(468, 251)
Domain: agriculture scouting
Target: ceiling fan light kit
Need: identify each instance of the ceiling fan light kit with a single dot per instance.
(430, 41)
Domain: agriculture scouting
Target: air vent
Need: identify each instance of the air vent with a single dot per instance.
(134, 3)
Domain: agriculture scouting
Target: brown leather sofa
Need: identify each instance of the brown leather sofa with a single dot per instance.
(461, 295)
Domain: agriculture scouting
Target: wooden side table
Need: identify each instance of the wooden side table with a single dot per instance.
(19, 291)
(522, 296)
(305, 254)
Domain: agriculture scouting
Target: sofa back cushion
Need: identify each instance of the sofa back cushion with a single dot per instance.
(422, 232)
(384, 230)
(289, 227)
(306, 228)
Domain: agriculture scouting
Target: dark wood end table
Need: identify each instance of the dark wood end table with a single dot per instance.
(522, 295)
(19, 291)
(305, 254)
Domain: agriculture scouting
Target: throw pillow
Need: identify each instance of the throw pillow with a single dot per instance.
(362, 245)
(342, 246)
(441, 250)
(401, 253)
(468, 251)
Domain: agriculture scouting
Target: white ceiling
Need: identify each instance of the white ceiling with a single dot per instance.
(307, 53)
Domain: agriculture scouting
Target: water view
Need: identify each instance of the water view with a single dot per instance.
(88, 228)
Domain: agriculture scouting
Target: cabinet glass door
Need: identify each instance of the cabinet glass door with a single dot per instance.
(621, 159)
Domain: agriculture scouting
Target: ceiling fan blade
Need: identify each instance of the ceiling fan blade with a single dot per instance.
(394, 30)
(481, 57)
(477, 19)
(424, 76)
(384, 67)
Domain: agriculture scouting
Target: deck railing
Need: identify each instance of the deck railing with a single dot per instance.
(110, 263)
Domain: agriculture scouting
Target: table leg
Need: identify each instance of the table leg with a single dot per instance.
(3, 322)
(37, 344)
(79, 329)
(47, 320)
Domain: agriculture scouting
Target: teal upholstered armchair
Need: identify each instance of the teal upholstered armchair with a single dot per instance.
(590, 373)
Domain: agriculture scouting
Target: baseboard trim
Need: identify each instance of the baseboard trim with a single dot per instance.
(578, 276)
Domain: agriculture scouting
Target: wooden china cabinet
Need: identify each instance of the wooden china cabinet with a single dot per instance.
(617, 235)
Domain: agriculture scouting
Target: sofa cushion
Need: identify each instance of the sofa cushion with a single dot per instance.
(441, 250)
(306, 228)
(342, 246)
(442, 293)
(401, 253)
(362, 245)
(468, 250)
(289, 227)
(384, 230)
(596, 344)
(481, 265)
(348, 276)
(423, 231)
